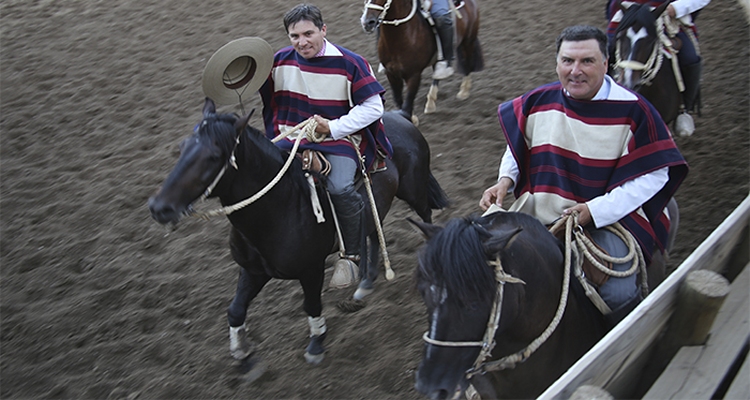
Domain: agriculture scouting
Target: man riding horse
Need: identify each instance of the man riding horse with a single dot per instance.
(441, 13)
(684, 12)
(316, 78)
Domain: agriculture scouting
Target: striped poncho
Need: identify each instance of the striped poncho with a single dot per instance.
(570, 151)
(329, 86)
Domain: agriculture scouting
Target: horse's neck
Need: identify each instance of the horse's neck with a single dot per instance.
(259, 164)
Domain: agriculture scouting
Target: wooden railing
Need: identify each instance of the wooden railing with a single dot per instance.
(617, 362)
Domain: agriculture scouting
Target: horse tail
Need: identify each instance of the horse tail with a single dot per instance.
(471, 60)
(437, 197)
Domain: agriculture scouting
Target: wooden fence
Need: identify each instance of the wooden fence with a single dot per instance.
(622, 362)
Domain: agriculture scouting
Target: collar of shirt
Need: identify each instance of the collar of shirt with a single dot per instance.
(322, 49)
(603, 92)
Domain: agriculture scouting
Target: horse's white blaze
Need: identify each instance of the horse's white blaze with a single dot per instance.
(443, 295)
(634, 36)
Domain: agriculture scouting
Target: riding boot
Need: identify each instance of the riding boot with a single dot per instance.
(444, 27)
(691, 76)
(349, 207)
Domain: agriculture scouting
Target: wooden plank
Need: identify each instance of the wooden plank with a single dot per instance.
(740, 387)
(624, 344)
(696, 371)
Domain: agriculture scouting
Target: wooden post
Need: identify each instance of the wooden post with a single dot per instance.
(698, 301)
(589, 392)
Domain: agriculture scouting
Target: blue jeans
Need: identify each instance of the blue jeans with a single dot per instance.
(616, 292)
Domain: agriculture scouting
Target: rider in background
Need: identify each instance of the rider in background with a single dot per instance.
(316, 78)
(441, 13)
(690, 61)
(587, 144)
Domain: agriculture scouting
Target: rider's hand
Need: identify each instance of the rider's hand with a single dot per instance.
(322, 130)
(584, 215)
(495, 193)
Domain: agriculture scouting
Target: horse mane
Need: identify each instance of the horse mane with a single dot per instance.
(221, 128)
(638, 14)
(455, 259)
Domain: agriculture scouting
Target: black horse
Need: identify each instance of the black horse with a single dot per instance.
(278, 236)
(459, 286)
(640, 63)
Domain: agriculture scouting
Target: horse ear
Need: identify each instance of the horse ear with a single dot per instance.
(501, 240)
(428, 230)
(241, 123)
(209, 107)
(659, 10)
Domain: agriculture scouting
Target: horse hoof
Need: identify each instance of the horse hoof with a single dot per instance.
(314, 359)
(462, 96)
(430, 108)
(362, 293)
(415, 120)
(314, 353)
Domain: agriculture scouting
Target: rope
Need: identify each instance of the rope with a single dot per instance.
(389, 274)
(307, 128)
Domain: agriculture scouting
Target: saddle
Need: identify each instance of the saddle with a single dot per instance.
(590, 271)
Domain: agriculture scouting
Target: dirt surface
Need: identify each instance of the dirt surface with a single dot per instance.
(97, 301)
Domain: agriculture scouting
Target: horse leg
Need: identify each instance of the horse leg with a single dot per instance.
(397, 88)
(431, 106)
(463, 92)
(248, 286)
(312, 285)
(367, 284)
(412, 87)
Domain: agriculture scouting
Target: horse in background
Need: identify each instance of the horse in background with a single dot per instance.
(278, 235)
(462, 287)
(643, 62)
(407, 45)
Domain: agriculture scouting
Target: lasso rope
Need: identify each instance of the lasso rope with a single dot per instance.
(389, 274)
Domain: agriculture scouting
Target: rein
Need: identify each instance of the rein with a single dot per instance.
(582, 245)
(384, 10)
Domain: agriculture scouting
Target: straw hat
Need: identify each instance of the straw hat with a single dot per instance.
(237, 70)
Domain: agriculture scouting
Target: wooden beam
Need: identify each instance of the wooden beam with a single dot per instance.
(697, 371)
(626, 342)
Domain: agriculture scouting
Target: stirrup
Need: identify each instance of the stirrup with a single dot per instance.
(684, 125)
(345, 272)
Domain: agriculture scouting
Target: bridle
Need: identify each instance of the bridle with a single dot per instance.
(384, 10)
(662, 46)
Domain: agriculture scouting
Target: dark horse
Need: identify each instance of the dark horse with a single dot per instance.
(461, 284)
(278, 236)
(407, 45)
(640, 62)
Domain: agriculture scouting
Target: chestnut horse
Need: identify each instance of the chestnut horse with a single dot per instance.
(407, 45)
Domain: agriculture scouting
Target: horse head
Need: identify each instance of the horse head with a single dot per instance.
(459, 287)
(637, 44)
(204, 156)
(374, 14)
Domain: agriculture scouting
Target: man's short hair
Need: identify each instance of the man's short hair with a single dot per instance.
(580, 33)
(303, 12)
